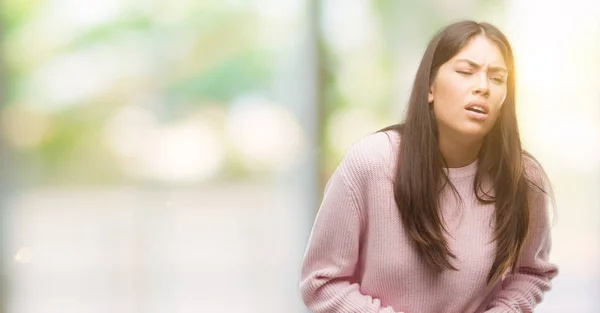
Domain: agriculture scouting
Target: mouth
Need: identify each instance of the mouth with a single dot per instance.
(477, 110)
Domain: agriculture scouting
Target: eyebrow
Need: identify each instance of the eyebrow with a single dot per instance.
(492, 68)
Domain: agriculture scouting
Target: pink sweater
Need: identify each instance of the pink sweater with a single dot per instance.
(359, 259)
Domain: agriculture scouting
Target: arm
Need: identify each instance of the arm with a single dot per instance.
(331, 255)
(523, 289)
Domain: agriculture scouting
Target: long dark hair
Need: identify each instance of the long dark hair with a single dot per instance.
(420, 174)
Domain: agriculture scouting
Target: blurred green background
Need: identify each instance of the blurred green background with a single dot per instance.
(170, 157)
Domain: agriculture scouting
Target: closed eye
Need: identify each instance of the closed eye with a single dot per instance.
(464, 73)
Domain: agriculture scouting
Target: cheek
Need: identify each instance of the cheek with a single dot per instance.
(449, 92)
(446, 97)
(499, 99)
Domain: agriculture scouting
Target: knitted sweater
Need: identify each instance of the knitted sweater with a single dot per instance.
(359, 257)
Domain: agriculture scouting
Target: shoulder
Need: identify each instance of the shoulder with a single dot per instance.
(371, 156)
(542, 204)
(535, 175)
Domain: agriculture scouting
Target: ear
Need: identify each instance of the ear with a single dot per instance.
(430, 95)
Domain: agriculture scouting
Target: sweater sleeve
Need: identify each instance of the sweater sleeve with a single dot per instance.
(524, 288)
(331, 255)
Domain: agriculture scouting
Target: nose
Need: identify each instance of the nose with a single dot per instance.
(482, 88)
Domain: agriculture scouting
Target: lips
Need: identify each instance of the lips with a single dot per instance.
(477, 106)
(477, 110)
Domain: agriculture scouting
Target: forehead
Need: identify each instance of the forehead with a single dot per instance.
(481, 50)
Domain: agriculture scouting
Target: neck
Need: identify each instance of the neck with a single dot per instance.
(459, 153)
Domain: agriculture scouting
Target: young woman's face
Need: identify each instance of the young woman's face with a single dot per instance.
(469, 89)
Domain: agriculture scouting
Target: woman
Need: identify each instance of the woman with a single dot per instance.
(444, 212)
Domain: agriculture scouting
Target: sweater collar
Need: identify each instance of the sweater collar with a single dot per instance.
(462, 172)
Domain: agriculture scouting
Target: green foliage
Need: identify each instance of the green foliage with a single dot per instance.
(245, 72)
